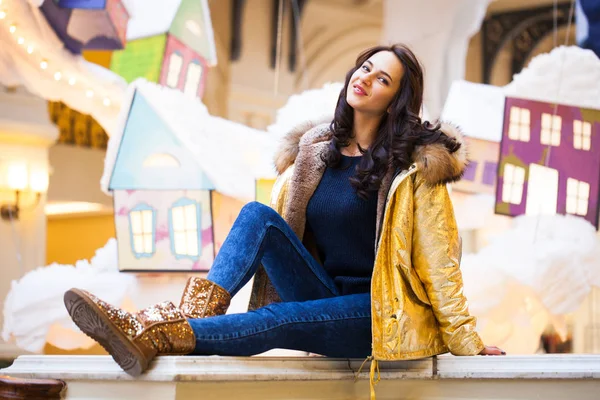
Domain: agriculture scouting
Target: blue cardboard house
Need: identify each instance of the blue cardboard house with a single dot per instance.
(178, 177)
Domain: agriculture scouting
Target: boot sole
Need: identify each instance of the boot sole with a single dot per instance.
(95, 324)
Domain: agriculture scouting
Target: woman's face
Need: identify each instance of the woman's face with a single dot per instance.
(375, 83)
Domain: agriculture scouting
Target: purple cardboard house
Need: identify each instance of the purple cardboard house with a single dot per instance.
(88, 24)
(549, 160)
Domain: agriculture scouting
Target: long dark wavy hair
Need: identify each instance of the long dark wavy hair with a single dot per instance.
(399, 132)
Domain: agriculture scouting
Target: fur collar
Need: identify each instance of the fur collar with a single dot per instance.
(289, 147)
(435, 163)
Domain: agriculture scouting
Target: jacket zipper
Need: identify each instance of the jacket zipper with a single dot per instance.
(387, 199)
(391, 191)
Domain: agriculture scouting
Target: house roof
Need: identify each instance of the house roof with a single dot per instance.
(232, 155)
(150, 17)
(188, 20)
(566, 75)
(476, 108)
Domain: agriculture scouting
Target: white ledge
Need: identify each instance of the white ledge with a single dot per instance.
(547, 366)
(318, 378)
(215, 368)
(227, 369)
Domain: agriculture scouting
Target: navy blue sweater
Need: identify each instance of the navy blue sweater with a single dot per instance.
(343, 225)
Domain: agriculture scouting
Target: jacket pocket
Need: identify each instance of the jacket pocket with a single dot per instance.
(413, 282)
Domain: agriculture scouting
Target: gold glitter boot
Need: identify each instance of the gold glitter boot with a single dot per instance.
(203, 298)
(132, 340)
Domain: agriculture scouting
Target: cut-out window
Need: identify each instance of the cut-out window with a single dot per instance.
(161, 160)
(578, 197)
(141, 224)
(582, 135)
(513, 180)
(471, 171)
(193, 79)
(174, 70)
(520, 124)
(551, 128)
(489, 173)
(185, 229)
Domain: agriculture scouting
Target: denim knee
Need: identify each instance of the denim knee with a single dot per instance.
(258, 209)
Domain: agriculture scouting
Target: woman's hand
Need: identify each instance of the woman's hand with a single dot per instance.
(492, 351)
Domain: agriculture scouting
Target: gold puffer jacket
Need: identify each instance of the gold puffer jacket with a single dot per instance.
(417, 302)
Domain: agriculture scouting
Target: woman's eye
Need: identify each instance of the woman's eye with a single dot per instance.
(383, 80)
(365, 68)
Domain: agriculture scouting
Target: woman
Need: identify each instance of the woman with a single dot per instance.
(359, 255)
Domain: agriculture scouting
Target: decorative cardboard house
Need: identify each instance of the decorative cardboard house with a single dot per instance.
(476, 109)
(549, 160)
(171, 44)
(179, 178)
(88, 24)
(480, 175)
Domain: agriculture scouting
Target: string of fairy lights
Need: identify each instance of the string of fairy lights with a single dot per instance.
(44, 62)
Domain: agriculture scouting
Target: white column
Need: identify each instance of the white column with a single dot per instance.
(25, 135)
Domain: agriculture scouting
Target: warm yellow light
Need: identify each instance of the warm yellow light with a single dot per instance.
(44, 64)
(89, 93)
(12, 29)
(76, 207)
(57, 75)
(2, 14)
(17, 176)
(21, 40)
(72, 81)
(30, 49)
(106, 102)
(38, 179)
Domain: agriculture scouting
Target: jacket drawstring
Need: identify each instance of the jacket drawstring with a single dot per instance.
(361, 367)
(372, 380)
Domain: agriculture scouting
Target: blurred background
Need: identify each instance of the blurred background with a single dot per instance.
(119, 118)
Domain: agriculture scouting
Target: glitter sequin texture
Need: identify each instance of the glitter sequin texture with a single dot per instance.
(167, 331)
(203, 298)
(125, 321)
(161, 328)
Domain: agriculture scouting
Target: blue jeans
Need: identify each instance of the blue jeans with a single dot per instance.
(312, 316)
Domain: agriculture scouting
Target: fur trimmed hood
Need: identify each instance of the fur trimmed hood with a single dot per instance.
(435, 163)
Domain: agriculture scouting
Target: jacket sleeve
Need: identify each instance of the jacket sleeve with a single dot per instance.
(436, 258)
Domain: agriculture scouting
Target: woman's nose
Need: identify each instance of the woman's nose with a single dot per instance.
(366, 79)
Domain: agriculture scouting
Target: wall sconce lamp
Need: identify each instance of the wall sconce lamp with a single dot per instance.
(26, 181)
